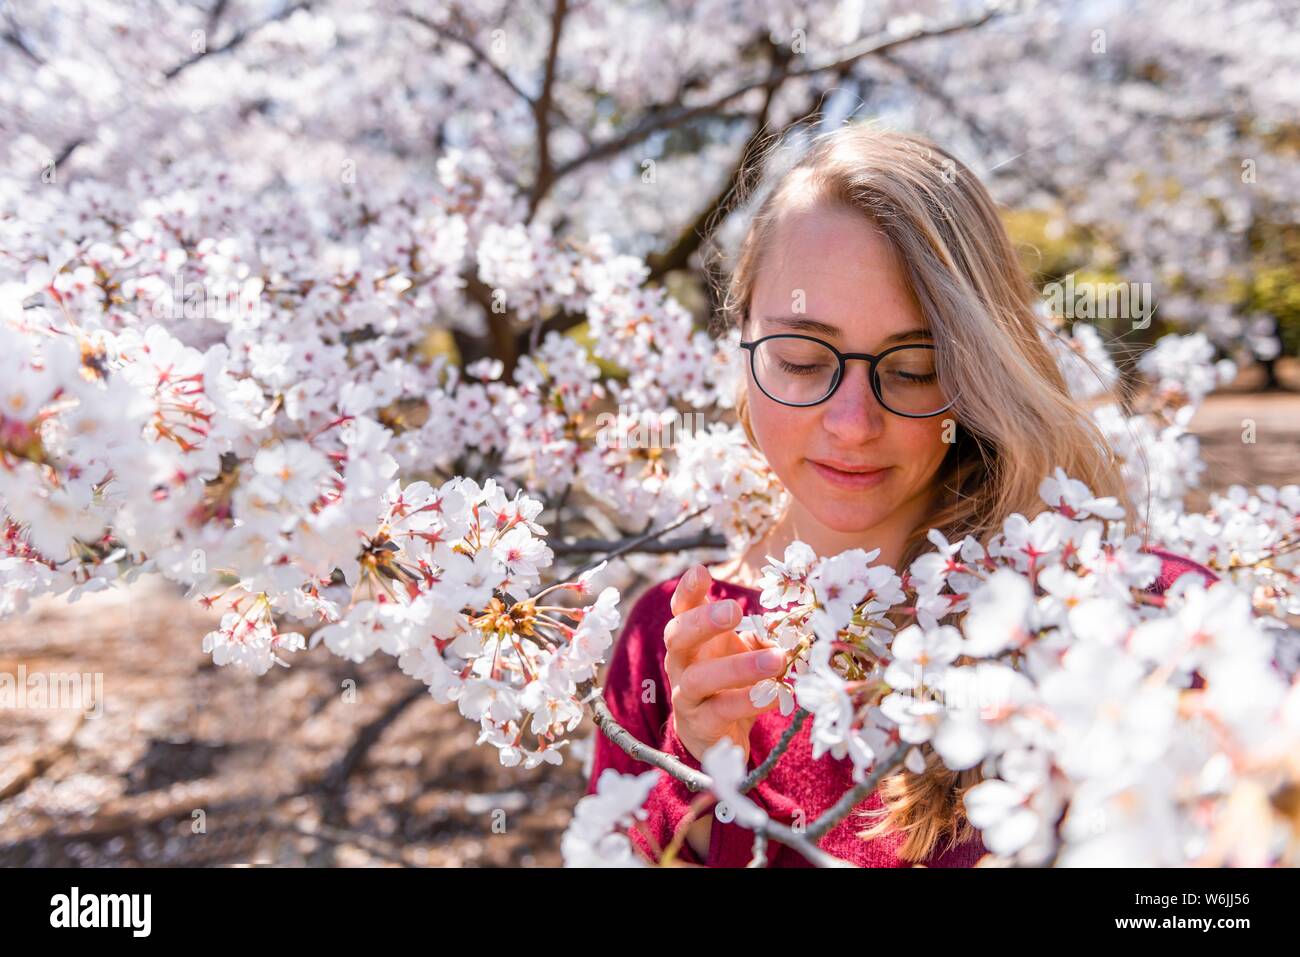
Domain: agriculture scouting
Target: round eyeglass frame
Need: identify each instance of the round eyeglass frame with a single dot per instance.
(843, 357)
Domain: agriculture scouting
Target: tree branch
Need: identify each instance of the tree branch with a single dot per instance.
(851, 798)
(584, 546)
(608, 726)
(695, 780)
(501, 341)
(642, 543)
(743, 175)
(235, 41)
(797, 842)
(480, 55)
(543, 106)
(677, 255)
(560, 322)
(172, 72)
(763, 770)
(14, 37)
(542, 114)
(846, 58)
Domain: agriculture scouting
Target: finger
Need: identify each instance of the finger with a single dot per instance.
(706, 678)
(728, 707)
(686, 633)
(728, 643)
(721, 645)
(734, 642)
(691, 589)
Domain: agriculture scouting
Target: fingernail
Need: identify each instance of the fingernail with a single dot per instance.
(693, 577)
(721, 612)
(771, 660)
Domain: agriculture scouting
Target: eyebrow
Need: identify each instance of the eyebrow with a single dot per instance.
(817, 327)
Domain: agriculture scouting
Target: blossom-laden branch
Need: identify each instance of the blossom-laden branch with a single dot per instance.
(592, 826)
(228, 365)
(639, 750)
(1038, 658)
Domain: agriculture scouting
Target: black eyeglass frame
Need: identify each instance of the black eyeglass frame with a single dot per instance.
(843, 357)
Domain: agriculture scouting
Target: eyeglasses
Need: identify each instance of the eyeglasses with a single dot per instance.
(799, 370)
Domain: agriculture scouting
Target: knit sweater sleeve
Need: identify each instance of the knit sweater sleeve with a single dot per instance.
(638, 695)
(1172, 567)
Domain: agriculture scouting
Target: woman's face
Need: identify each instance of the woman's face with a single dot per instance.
(854, 293)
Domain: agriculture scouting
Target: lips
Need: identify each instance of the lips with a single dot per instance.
(847, 475)
(846, 466)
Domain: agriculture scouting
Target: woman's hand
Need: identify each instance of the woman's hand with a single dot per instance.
(711, 668)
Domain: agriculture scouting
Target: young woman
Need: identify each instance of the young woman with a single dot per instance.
(899, 380)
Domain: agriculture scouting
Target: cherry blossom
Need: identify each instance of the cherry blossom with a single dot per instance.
(339, 373)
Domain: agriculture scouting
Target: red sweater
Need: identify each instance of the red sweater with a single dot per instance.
(797, 782)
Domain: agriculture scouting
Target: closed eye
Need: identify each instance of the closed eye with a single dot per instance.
(910, 377)
(793, 369)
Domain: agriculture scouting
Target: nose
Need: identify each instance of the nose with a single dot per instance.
(853, 414)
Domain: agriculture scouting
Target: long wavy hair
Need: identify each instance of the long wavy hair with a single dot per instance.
(1015, 417)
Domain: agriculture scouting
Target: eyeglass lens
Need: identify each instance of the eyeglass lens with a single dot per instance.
(800, 371)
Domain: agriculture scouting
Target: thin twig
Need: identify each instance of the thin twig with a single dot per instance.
(172, 72)
(14, 37)
(802, 844)
(480, 55)
(650, 126)
(697, 780)
(607, 725)
(238, 38)
(857, 793)
(686, 543)
(759, 773)
(637, 543)
(542, 120)
(739, 183)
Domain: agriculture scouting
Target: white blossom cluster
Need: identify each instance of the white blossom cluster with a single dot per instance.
(719, 471)
(227, 317)
(273, 451)
(1248, 536)
(597, 836)
(1042, 661)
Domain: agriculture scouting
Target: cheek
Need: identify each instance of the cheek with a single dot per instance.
(781, 431)
(923, 441)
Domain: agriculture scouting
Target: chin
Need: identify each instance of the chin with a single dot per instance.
(849, 517)
(850, 520)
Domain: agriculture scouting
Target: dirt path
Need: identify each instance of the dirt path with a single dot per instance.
(1224, 424)
(191, 764)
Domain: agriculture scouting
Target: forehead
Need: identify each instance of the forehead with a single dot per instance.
(832, 263)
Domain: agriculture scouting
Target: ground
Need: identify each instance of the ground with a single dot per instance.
(191, 764)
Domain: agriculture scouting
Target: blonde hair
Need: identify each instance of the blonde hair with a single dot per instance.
(1015, 416)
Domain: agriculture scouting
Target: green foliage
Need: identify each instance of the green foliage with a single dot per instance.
(1047, 250)
(1275, 290)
